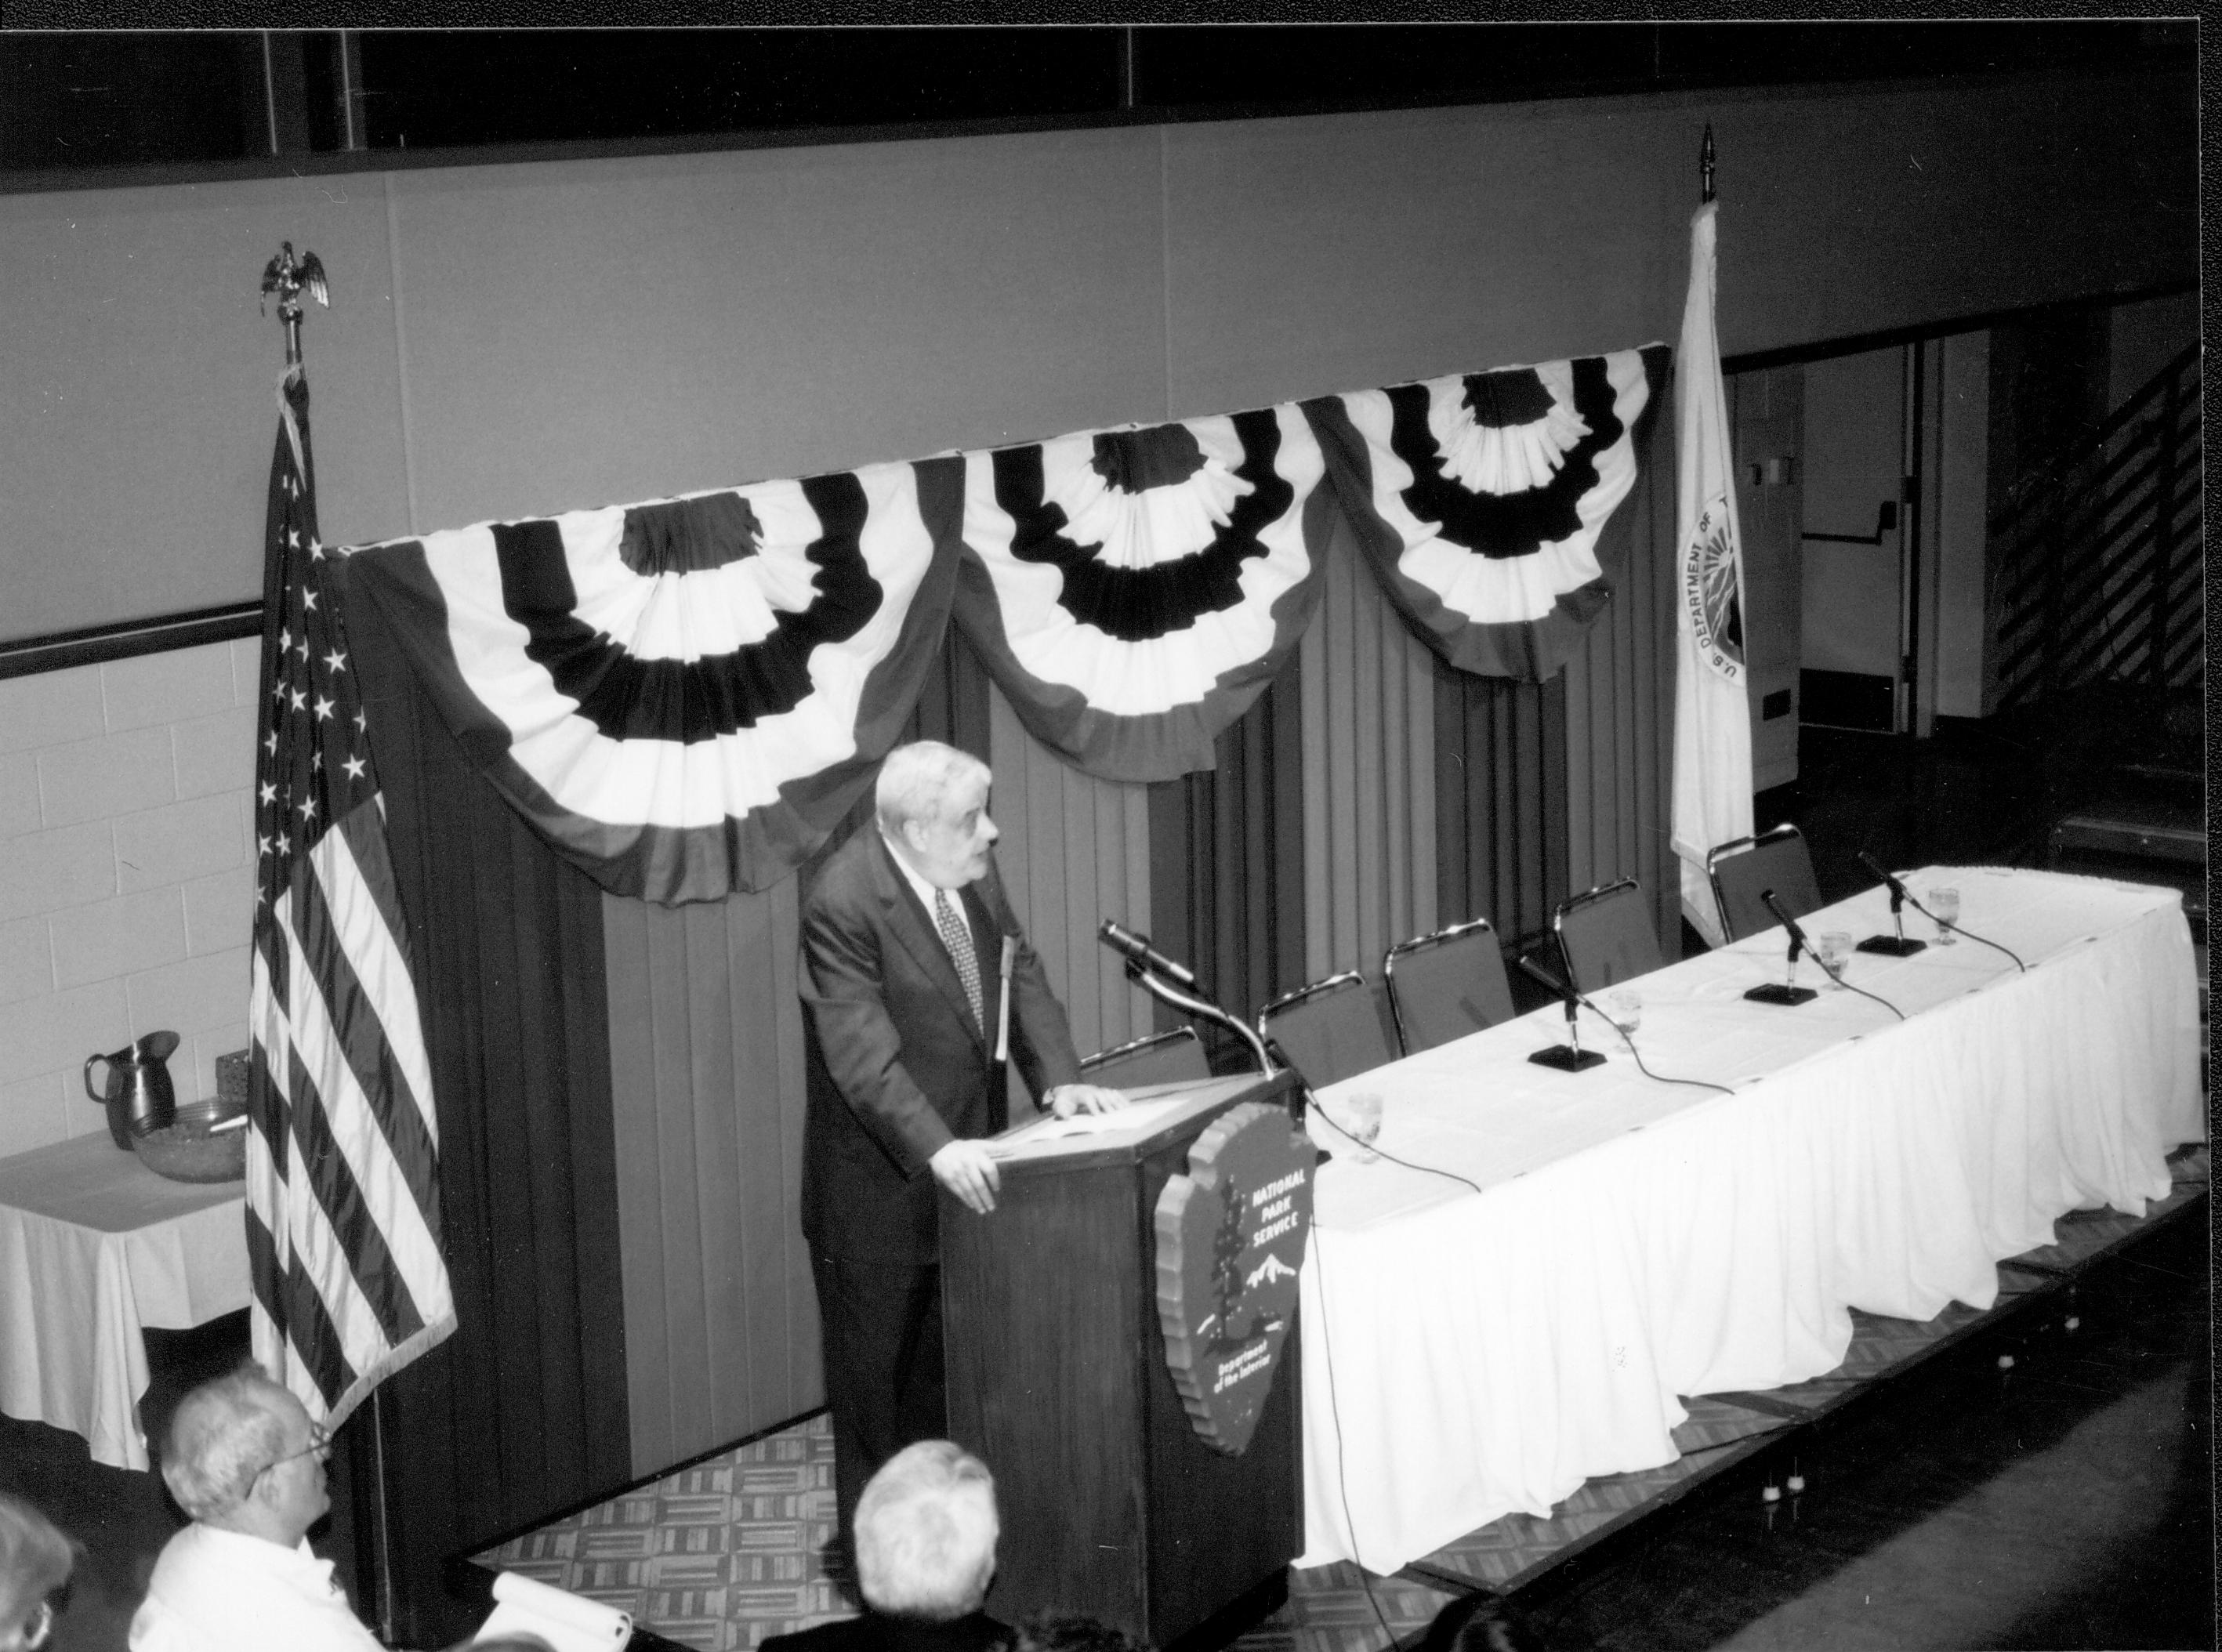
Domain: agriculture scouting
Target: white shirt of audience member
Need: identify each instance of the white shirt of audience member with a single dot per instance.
(246, 1579)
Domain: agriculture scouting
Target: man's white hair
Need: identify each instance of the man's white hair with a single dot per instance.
(925, 1533)
(915, 782)
(223, 1435)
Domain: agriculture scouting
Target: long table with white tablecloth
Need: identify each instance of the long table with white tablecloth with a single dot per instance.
(1468, 1354)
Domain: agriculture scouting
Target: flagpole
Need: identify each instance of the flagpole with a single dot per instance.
(286, 279)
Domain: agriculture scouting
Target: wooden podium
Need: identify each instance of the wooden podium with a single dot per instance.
(1113, 1507)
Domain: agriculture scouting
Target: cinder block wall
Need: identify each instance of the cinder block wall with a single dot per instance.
(126, 875)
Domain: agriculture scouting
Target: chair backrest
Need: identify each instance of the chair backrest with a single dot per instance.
(1606, 935)
(1331, 1029)
(1447, 984)
(1741, 869)
(1159, 1059)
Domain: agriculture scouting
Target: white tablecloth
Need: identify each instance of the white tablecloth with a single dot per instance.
(1470, 1355)
(93, 1246)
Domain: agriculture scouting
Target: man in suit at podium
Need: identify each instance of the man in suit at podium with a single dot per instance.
(903, 936)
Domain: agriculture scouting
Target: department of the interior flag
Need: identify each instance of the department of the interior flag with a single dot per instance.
(1712, 716)
(342, 1185)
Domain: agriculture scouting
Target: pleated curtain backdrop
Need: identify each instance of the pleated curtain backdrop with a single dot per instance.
(1226, 865)
(1369, 776)
(1619, 690)
(1500, 802)
(1075, 851)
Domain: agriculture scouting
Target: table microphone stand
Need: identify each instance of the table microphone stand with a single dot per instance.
(1569, 1057)
(1786, 992)
(1892, 945)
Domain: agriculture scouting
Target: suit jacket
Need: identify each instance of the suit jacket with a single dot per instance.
(873, 1633)
(897, 1067)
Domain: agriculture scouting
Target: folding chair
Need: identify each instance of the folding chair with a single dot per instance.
(1447, 984)
(1743, 869)
(1606, 935)
(1157, 1059)
(1330, 1029)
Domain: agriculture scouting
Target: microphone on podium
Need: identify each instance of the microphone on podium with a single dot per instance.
(1569, 1057)
(1172, 983)
(1136, 949)
(1785, 992)
(1894, 946)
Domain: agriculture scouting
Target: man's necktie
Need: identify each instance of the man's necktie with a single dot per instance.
(956, 936)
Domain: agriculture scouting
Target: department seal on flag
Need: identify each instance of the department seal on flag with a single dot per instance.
(1710, 590)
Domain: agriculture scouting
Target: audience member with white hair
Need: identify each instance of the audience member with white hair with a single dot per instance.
(36, 1561)
(924, 1543)
(244, 1461)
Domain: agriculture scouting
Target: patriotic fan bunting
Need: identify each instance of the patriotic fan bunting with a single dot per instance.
(684, 697)
(1478, 499)
(1133, 591)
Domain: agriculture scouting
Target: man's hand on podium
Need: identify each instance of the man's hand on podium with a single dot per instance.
(1066, 1100)
(966, 1170)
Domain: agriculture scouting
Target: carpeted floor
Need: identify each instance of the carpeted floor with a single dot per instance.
(725, 1553)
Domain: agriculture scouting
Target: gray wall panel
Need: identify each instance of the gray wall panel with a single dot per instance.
(706, 1074)
(527, 338)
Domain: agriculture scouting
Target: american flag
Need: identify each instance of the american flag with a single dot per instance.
(343, 1180)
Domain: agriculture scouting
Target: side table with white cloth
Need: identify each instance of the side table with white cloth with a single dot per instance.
(94, 1247)
(1468, 1355)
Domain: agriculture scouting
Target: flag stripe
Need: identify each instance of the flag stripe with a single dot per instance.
(381, 960)
(307, 1342)
(336, 1239)
(344, 1151)
(354, 1073)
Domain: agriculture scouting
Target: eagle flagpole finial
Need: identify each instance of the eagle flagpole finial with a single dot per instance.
(289, 277)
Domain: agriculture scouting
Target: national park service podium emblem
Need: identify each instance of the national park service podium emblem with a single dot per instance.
(1231, 1238)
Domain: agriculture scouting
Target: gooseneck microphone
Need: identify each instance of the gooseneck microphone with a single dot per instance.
(1797, 941)
(1785, 992)
(1569, 1057)
(1136, 949)
(1895, 945)
(1890, 879)
(1148, 969)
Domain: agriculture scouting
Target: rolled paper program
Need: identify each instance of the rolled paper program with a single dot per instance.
(566, 1621)
(1003, 1000)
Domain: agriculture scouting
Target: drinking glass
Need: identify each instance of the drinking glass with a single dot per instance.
(1834, 947)
(1360, 1115)
(1944, 907)
(1625, 1006)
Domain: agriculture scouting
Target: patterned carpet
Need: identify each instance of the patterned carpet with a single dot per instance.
(719, 1555)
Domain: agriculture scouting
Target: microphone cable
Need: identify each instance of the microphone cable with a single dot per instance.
(1837, 976)
(1655, 1078)
(1318, 1111)
(1969, 934)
